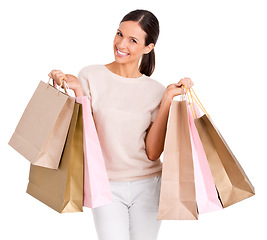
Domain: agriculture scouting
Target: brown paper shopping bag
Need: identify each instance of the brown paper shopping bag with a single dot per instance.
(62, 188)
(177, 195)
(43, 125)
(230, 179)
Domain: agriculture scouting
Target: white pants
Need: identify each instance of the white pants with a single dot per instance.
(133, 213)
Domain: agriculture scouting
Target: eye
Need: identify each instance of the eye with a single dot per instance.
(133, 40)
(119, 34)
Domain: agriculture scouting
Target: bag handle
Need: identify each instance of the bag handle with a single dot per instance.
(191, 95)
(63, 85)
(190, 100)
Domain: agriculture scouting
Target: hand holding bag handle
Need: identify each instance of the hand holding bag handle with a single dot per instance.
(63, 85)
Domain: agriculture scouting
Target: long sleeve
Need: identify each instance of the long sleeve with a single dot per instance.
(84, 81)
(159, 98)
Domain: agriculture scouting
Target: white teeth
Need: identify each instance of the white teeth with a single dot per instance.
(122, 53)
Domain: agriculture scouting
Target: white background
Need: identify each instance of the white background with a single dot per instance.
(220, 45)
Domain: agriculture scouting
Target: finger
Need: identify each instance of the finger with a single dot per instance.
(60, 75)
(182, 81)
(55, 72)
(52, 73)
(190, 84)
(184, 84)
(69, 77)
(61, 78)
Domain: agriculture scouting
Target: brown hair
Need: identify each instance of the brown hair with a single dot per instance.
(149, 23)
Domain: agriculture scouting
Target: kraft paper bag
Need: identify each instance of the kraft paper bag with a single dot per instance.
(230, 179)
(62, 188)
(177, 195)
(43, 125)
(97, 190)
(206, 193)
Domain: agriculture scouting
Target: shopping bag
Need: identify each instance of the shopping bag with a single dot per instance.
(206, 193)
(230, 179)
(62, 188)
(44, 125)
(97, 190)
(177, 194)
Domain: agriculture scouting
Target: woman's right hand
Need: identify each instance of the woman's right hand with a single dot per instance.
(73, 83)
(58, 76)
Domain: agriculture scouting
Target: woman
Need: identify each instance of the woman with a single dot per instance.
(130, 111)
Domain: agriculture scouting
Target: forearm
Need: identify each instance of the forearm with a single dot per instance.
(78, 91)
(155, 137)
(75, 85)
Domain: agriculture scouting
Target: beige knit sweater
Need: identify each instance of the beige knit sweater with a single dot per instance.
(123, 109)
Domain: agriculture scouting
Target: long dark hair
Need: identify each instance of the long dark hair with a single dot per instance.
(150, 24)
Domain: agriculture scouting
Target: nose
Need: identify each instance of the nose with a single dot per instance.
(122, 44)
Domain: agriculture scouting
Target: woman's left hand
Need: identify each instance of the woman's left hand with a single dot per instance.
(176, 89)
(185, 81)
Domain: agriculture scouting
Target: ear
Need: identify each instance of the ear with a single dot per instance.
(148, 48)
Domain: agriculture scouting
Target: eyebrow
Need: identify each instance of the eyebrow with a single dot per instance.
(130, 36)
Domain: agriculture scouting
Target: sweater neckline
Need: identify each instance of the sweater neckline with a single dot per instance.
(124, 79)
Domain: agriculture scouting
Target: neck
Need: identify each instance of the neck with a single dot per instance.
(124, 70)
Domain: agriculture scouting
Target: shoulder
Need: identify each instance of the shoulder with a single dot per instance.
(91, 69)
(158, 86)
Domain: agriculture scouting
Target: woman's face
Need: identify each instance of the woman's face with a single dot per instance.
(129, 43)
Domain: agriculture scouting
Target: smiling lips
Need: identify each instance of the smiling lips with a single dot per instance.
(121, 54)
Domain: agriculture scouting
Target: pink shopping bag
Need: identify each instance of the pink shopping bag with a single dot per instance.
(97, 190)
(206, 193)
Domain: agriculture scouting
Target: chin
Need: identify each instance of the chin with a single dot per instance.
(121, 60)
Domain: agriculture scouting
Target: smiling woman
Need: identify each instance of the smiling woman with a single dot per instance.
(129, 47)
(139, 31)
(130, 112)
